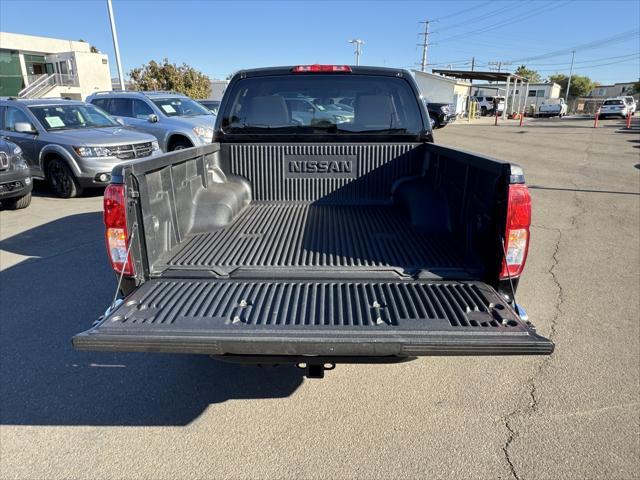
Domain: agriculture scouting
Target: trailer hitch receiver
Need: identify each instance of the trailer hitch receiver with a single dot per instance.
(315, 370)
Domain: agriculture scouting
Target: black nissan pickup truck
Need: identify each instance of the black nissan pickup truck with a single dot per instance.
(316, 240)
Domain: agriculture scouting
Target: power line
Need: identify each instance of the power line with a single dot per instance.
(508, 21)
(585, 46)
(583, 61)
(585, 67)
(465, 23)
(462, 11)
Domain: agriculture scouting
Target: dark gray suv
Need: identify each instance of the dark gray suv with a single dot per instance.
(15, 179)
(71, 144)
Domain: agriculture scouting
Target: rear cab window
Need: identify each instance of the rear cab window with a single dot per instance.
(613, 102)
(339, 104)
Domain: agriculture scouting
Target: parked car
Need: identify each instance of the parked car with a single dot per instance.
(613, 107)
(306, 110)
(552, 107)
(15, 179)
(631, 104)
(211, 105)
(71, 144)
(288, 243)
(441, 114)
(176, 120)
(487, 105)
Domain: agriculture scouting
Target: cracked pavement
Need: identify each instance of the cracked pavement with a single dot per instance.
(574, 414)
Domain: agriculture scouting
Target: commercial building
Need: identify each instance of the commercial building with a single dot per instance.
(35, 67)
(441, 89)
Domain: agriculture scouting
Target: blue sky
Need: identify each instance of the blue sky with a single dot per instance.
(220, 37)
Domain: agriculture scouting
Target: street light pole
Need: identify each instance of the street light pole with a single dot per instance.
(358, 43)
(115, 44)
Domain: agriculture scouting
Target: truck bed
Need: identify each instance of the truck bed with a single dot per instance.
(301, 234)
(245, 256)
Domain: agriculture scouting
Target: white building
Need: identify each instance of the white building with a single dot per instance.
(33, 67)
(217, 88)
(535, 95)
(440, 89)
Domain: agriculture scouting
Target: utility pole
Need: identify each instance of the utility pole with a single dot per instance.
(566, 95)
(425, 45)
(498, 64)
(473, 63)
(358, 43)
(115, 44)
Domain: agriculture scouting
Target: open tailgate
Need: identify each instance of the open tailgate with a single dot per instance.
(324, 318)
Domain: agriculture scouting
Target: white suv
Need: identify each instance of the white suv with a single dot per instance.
(486, 105)
(613, 107)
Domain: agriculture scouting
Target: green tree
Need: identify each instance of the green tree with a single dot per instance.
(169, 76)
(532, 75)
(580, 84)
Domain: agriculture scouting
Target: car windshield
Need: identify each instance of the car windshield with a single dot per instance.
(68, 117)
(180, 107)
(211, 106)
(307, 104)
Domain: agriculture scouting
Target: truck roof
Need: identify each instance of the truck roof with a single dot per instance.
(355, 70)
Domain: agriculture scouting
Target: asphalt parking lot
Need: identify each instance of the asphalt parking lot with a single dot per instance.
(575, 414)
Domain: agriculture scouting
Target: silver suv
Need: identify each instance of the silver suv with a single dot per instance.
(176, 120)
(71, 144)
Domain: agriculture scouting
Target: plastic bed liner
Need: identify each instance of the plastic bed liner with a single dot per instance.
(297, 317)
(278, 234)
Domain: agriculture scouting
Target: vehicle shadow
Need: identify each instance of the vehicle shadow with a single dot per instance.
(58, 293)
(41, 189)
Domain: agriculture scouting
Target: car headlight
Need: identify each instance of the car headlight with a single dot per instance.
(155, 146)
(206, 133)
(19, 162)
(444, 109)
(17, 150)
(92, 151)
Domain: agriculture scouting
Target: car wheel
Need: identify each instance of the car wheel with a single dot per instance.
(61, 180)
(483, 111)
(18, 202)
(180, 145)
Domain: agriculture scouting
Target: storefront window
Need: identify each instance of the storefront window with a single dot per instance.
(10, 74)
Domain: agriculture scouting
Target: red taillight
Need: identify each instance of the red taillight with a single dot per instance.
(115, 221)
(321, 68)
(517, 231)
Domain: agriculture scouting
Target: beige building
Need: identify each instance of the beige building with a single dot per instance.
(36, 67)
(615, 90)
